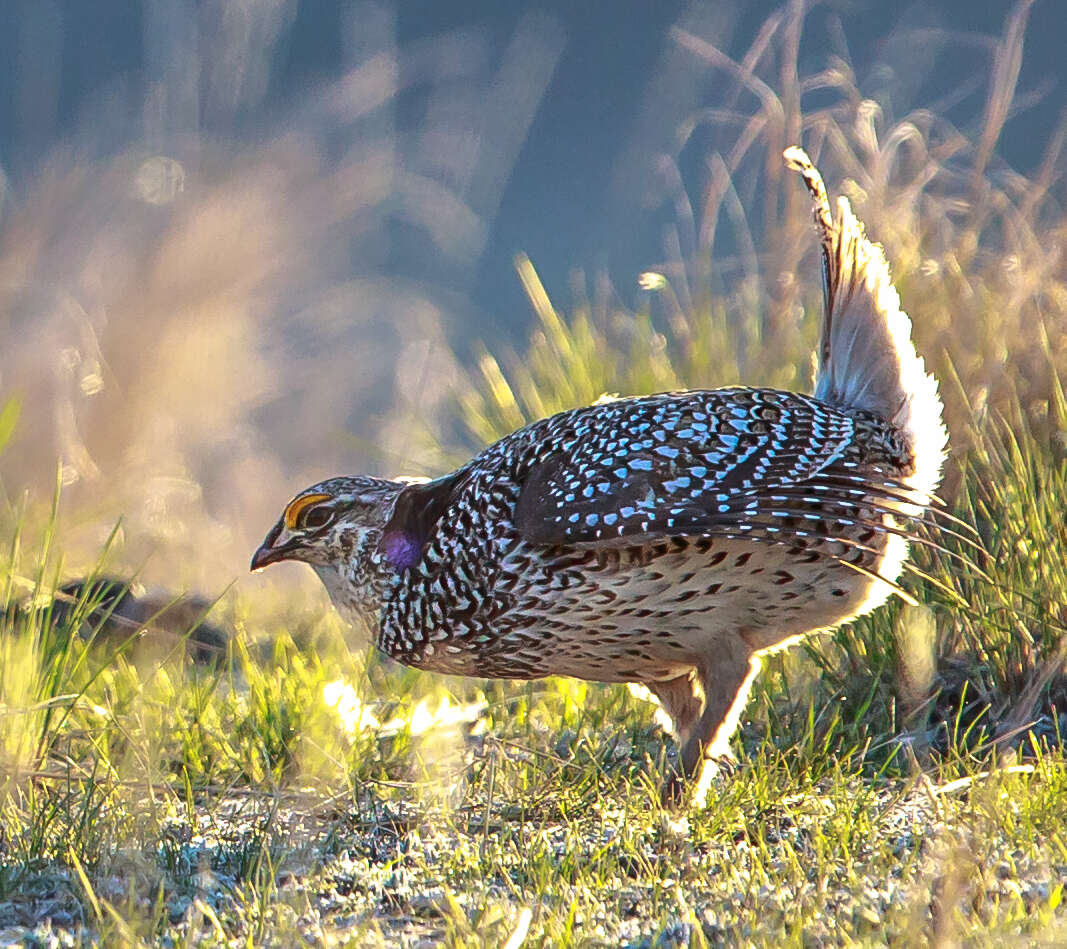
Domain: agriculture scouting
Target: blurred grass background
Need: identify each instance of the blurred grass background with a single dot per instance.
(193, 332)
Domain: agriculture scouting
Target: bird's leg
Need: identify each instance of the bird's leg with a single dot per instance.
(705, 742)
(681, 699)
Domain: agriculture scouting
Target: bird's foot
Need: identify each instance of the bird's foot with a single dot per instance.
(681, 790)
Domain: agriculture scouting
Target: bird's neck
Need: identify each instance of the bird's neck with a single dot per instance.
(358, 587)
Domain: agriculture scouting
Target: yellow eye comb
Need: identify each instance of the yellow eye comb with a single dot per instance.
(297, 507)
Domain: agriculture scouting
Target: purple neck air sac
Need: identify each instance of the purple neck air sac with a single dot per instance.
(402, 550)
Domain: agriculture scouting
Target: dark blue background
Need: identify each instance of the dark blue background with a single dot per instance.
(562, 204)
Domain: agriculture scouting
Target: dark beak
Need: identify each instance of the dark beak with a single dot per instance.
(268, 553)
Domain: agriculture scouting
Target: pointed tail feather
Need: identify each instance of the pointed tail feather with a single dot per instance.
(866, 357)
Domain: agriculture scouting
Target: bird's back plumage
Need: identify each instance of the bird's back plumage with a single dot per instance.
(607, 490)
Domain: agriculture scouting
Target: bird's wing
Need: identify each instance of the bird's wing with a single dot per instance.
(418, 508)
(702, 462)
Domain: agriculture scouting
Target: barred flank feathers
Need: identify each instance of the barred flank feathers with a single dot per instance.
(866, 357)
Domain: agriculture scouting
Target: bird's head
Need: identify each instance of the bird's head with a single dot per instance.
(335, 526)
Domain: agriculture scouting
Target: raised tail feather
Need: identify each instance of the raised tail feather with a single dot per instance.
(866, 357)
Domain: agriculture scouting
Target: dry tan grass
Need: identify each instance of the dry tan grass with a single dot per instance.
(977, 250)
(194, 349)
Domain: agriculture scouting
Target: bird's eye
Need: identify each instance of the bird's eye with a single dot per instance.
(298, 509)
(312, 518)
